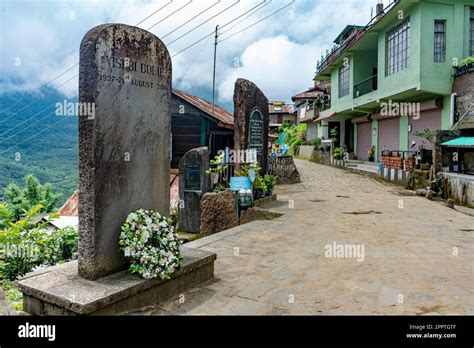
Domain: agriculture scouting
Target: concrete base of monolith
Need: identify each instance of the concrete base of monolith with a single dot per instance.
(61, 291)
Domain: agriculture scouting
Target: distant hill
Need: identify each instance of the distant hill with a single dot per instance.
(48, 149)
(35, 140)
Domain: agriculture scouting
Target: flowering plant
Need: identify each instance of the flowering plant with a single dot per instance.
(149, 240)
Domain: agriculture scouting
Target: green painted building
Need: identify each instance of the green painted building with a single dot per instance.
(394, 76)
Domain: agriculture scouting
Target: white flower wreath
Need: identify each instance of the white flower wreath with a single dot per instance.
(148, 239)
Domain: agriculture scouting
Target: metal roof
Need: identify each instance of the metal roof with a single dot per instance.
(284, 108)
(346, 30)
(71, 207)
(311, 93)
(174, 188)
(220, 114)
(460, 142)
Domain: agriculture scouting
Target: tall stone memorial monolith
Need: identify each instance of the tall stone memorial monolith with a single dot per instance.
(124, 165)
(193, 184)
(251, 122)
(124, 149)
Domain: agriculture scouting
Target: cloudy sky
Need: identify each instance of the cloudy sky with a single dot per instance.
(39, 40)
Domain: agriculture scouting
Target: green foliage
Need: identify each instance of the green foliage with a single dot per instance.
(6, 215)
(14, 297)
(333, 134)
(337, 153)
(466, 61)
(217, 168)
(32, 194)
(25, 245)
(294, 135)
(217, 165)
(270, 181)
(61, 245)
(316, 142)
(259, 183)
(284, 126)
(50, 157)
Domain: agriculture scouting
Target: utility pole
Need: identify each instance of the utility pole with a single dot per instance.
(214, 74)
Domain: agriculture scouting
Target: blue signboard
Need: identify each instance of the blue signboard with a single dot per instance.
(238, 183)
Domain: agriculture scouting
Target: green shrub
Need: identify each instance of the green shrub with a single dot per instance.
(26, 245)
(337, 153)
(466, 61)
(33, 194)
(259, 183)
(316, 142)
(270, 181)
(61, 245)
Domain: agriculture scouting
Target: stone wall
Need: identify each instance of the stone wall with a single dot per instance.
(306, 151)
(217, 212)
(321, 156)
(463, 85)
(458, 187)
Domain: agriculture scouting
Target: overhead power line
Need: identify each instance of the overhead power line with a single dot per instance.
(31, 124)
(189, 20)
(201, 24)
(57, 77)
(250, 26)
(171, 14)
(151, 15)
(36, 134)
(213, 32)
(75, 65)
(248, 16)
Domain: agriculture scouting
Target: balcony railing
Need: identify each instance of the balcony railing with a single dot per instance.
(339, 50)
(366, 86)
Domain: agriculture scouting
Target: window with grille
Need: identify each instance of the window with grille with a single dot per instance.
(344, 77)
(439, 41)
(471, 33)
(397, 48)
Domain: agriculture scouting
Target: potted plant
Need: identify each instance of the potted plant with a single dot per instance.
(270, 182)
(259, 186)
(217, 168)
(337, 153)
(371, 153)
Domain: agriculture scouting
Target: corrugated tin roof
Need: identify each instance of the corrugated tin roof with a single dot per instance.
(174, 188)
(70, 208)
(460, 142)
(285, 108)
(311, 93)
(221, 114)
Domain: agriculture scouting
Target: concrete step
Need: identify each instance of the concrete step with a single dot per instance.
(363, 168)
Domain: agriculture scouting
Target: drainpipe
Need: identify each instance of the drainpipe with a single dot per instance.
(452, 107)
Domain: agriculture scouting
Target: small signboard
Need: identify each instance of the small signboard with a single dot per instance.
(192, 177)
(251, 175)
(256, 131)
(238, 183)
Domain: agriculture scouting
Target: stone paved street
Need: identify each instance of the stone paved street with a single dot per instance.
(279, 266)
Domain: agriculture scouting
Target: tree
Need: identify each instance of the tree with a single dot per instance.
(23, 199)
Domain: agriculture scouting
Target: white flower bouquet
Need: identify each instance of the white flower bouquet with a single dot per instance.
(149, 241)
